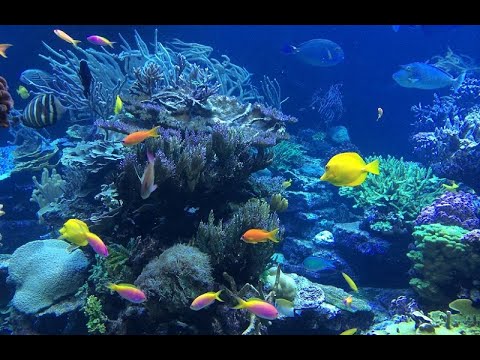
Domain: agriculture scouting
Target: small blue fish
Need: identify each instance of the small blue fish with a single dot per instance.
(317, 52)
(427, 77)
(315, 263)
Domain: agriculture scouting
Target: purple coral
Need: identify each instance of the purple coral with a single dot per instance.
(472, 239)
(274, 114)
(452, 208)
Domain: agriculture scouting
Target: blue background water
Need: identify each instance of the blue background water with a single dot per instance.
(372, 55)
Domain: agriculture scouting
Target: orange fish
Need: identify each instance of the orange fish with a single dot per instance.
(3, 48)
(254, 236)
(138, 136)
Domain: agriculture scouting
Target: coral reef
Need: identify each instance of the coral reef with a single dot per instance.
(286, 287)
(6, 103)
(62, 273)
(48, 191)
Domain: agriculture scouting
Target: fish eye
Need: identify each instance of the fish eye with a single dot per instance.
(327, 167)
(409, 68)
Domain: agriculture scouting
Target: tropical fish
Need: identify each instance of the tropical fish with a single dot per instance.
(317, 52)
(258, 307)
(3, 49)
(350, 282)
(77, 232)
(453, 187)
(43, 110)
(287, 183)
(97, 244)
(148, 178)
(99, 40)
(348, 301)
(349, 331)
(139, 136)
(129, 292)
(348, 169)
(427, 77)
(23, 92)
(205, 300)
(315, 263)
(118, 105)
(85, 77)
(254, 236)
(64, 36)
(36, 77)
(287, 308)
(379, 113)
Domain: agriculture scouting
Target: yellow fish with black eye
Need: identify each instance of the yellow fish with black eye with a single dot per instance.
(118, 106)
(23, 92)
(348, 169)
(287, 183)
(452, 187)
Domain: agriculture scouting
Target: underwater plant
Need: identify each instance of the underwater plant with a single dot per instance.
(93, 310)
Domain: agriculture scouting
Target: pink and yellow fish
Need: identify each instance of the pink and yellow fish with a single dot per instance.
(77, 232)
(138, 136)
(148, 178)
(129, 292)
(100, 40)
(254, 236)
(97, 244)
(64, 36)
(3, 49)
(205, 300)
(260, 308)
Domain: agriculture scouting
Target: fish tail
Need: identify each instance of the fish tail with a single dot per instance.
(242, 304)
(272, 235)
(111, 43)
(2, 53)
(217, 296)
(289, 49)
(373, 167)
(75, 42)
(458, 81)
(153, 132)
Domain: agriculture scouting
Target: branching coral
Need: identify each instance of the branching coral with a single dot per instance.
(329, 105)
(245, 262)
(397, 195)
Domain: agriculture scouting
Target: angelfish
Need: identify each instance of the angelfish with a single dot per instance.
(148, 178)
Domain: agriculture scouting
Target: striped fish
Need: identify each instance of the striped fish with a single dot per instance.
(44, 110)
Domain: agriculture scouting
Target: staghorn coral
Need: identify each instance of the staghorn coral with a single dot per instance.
(245, 262)
(395, 196)
(48, 192)
(6, 103)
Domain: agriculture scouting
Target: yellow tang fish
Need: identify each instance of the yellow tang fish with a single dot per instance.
(349, 331)
(287, 183)
(23, 92)
(118, 106)
(452, 187)
(350, 282)
(348, 169)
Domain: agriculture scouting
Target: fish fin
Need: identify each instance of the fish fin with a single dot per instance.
(72, 248)
(413, 80)
(289, 49)
(111, 43)
(136, 172)
(150, 157)
(358, 181)
(242, 304)
(297, 312)
(458, 81)
(75, 42)
(153, 188)
(217, 296)
(272, 235)
(373, 167)
(153, 132)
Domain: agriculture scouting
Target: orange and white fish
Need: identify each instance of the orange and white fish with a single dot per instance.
(3, 48)
(380, 113)
(254, 236)
(138, 136)
(205, 300)
(148, 178)
(64, 36)
(129, 292)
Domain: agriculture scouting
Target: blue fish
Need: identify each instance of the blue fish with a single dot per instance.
(427, 77)
(317, 52)
(315, 263)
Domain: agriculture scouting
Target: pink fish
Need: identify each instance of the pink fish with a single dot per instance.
(258, 307)
(97, 244)
(100, 40)
(148, 178)
(205, 299)
(129, 292)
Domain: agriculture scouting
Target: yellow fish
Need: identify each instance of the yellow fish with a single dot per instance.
(349, 331)
(118, 106)
(350, 282)
(348, 169)
(23, 92)
(287, 183)
(452, 187)
(3, 48)
(64, 36)
(74, 231)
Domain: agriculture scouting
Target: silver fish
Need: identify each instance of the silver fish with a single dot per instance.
(148, 178)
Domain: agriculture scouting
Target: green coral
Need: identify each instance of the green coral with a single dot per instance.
(336, 296)
(400, 191)
(440, 259)
(48, 192)
(93, 310)
(288, 155)
(245, 262)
